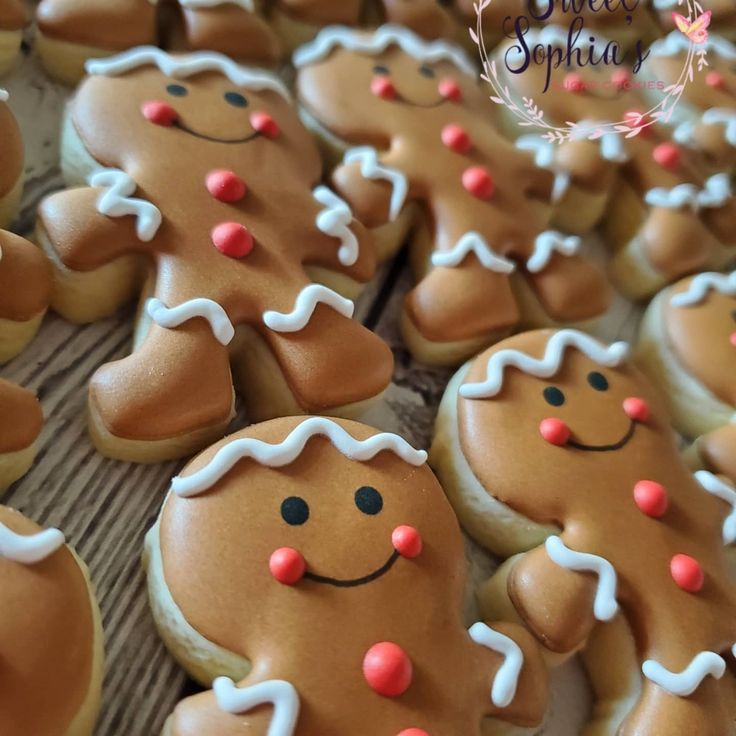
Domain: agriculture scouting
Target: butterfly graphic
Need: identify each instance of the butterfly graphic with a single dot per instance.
(697, 31)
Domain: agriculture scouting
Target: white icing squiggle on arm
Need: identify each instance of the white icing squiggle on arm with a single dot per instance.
(546, 244)
(118, 202)
(279, 693)
(702, 284)
(304, 307)
(335, 220)
(222, 327)
(370, 168)
(715, 193)
(726, 492)
(610, 356)
(506, 680)
(688, 681)
(29, 549)
(473, 242)
(285, 452)
(605, 606)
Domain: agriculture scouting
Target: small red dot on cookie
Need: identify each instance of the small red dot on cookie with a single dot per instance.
(636, 409)
(732, 339)
(573, 82)
(621, 79)
(687, 573)
(265, 125)
(287, 565)
(667, 155)
(387, 669)
(554, 431)
(455, 138)
(225, 185)
(159, 113)
(407, 541)
(413, 732)
(651, 498)
(232, 239)
(450, 89)
(383, 87)
(479, 182)
(715, 80)
(637, 118)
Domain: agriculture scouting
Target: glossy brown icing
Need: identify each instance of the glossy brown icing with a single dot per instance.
(12, 15)
(25, 279)
(585, 486)
(718, 450)
(46, 635)
(222, 540)
(11, 150)
(22, 418)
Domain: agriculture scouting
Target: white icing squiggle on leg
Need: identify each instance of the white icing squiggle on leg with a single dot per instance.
(29, 549)
(304, 307)
(473, 242)
(506, 680)
(726, 492)
(335, 220)
(222, 327)
(688, 681)
(546, 244)
(715, 193)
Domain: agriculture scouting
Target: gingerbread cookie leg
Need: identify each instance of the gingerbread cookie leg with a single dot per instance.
(21, 424)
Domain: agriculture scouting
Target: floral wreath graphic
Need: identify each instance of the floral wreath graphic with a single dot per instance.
(530, 115)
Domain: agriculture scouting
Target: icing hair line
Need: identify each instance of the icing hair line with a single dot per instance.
(29, 549)
(377, 42)
(701, 285)
(675, 43)
(285, 452)
(610, 356)
(186, 65)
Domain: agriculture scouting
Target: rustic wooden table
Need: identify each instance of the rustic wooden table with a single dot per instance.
(105, 507)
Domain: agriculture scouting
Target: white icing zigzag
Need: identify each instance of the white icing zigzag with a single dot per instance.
(473, 242)
(370, 168)
(610, 356)
(222, 327)
(29, 549)
(335, 220)
(688, 681)
(605, 606)
(304, 307)
(285, 452)
(717, 192)
(702, 284)
(377, 42)
(279, 693)
(118, 202)
(546, 244)
(186, 65)
(726, 492)
(245, 4)
(675, 43)
(506, 680)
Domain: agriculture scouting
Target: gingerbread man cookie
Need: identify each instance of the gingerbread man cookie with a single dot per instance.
(209, 202)
(425, 150)
(12, 20)
(11, 162)
(552, 442)
(327, 542)
(73, 31)
(51, 658)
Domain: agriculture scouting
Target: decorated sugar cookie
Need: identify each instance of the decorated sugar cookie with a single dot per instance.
(420, 148)
(72, 31)
(552, 445)
(204, 195)
(338, 569)
(50, 634)
(11, 162)
(12, 20)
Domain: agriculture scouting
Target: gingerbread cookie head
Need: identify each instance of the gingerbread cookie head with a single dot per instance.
(297, 525)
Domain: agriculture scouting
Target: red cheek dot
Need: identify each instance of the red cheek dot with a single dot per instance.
(413, 732)
(455, 138)
(287, 565)
(232, 239)
(159, 113)
(687, 573)
(265, 125)
(387, 669)
(636, 409)
(555, 431)
(715, 80)
(667, 155)
(651, 498)
(732, 339)
(383, 87)
(225, 185)
(573, 82)
(478, 181)
(450, 90)
(621, 79)
(407, 541)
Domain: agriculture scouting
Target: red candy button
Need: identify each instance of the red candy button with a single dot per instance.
(383, 87)
(387, 669)
(621, 79)
(232, 239)
(636, 409)
(413, 732)
(159, 113)
(287, 565)
(407, 541)
(478, 182)
(573, 82)
(651, 498)
(265, 125)
(667, 155)
(687, 573)
(450, 89)
(555, 431)
(225, 185)
(716, 80)
(455, 138)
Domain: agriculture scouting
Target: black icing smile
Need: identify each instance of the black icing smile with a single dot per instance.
(180, 126)
(605, 448)
(355, 582)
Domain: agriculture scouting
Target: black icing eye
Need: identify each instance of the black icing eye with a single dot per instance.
(369, 500)
(294, 510)
(426, 71)
(380, 69)
(178, 90)
(553, 395)
(598, 381)
(235, 99)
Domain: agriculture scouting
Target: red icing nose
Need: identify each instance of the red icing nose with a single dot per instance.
(232, 239)
(456, 138)
(159, 113)
(287, 565)
(413, 732)
(387, 669)
(265, 125)
(715, 80)
(573, 82)
(651, 498)
(478, 181)
(450, 89)
(667, 155)
(407, 541)
(225, 185)
(636, 409)
(620, 79)
(383, 87)
(687, 573)
(555, 431)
